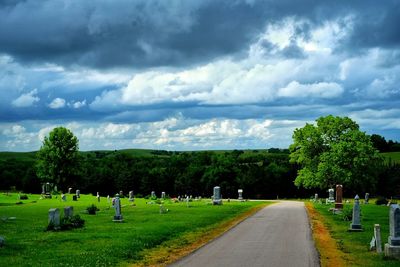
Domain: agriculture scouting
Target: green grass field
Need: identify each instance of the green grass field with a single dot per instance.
(101, 242)
(393, 156)
(356, 244)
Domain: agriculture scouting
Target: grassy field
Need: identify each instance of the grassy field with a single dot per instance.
(102, 242)
(393, 156)
(355, 245)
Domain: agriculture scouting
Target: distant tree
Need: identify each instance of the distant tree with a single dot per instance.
(57, 159)
(333, 151)
(379, 143)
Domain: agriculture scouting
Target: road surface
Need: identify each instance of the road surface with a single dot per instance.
(278, 235)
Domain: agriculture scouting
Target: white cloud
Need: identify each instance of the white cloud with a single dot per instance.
(318, 90)
(77, 104)
(57, 103)
(14, 130)
(26, 100)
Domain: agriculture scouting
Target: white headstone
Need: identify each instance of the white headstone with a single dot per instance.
(377, 236)
(153, 194)
(366, 198)
(69, 190)
(240, 192)
(392, 248)
(78, 193)
(131, 197)
(163, 195)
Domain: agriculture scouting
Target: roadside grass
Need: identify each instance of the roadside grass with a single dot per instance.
(355, 245)
(102, 242)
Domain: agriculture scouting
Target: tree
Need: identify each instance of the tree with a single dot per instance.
(57, 159)
(334, 151)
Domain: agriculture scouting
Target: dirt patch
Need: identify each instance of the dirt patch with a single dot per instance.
(330, 255)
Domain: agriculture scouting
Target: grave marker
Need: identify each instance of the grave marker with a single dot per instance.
(356, 220)
(377, 236)
(366, 198)
(117, 206)
(240, 192)
(54, 218)
(217, 196)
(392, 248)
(78, 193)
(331, 198)
(68, 212)
(131, 197)
(339, 197)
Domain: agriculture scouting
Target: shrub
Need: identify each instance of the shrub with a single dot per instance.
(139, 195)
(23, 197)
(92, 209)
(347, 213)
(70, 222)
(381, 201)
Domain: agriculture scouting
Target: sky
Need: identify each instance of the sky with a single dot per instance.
(195, 75)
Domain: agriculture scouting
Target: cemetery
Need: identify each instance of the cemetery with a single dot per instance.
(110, 237)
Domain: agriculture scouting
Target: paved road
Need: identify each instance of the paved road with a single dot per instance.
(278, 235)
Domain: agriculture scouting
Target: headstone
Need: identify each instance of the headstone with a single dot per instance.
(163, 195)
(43, 189)
(217, 196)
(78, 193)
(366, 198)
(187, 201)
(339, 197)
(74, 198)
(108, 199)
(47, 187)
(331, 198)
(372, 244)
(316, 197)
(117, 206)
(68, 212)
(153, 194)
(54, 217)
(356, 220)
(121, 193)
(131, 197)
(98, 197)
(2, 241)
(240, 193)
(69, 190)
(55, 189)
(392, 248)
(377, 236)
(63, 197)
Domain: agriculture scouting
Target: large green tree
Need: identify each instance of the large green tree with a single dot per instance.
(57, 159)
(334, 151)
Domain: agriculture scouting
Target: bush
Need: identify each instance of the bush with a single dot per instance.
(23, 197)
(71, 222)
(139, 195)
(381, 201)
(347, 213)
(92, 209)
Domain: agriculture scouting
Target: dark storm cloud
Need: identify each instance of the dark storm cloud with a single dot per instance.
(140, 34)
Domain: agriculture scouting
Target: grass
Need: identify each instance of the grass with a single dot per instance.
(353, 247)
(392, 156)
(102, 242)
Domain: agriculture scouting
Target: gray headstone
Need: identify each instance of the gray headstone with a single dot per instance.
(163, 195)
(117, 206)
(153, 194)
(69, 190)
(356, 220)
(121, 193)
(54, 217)
(43, 189)
(74, 198)
(394, 225)
(240, 193)
(131, 197)
(68, 212)
(316, 197)
(63, 197)
(78, 193)
(366, 198)
(217, 196)
(377, 236)
(331, 195)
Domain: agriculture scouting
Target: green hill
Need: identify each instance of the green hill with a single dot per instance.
(392, 156)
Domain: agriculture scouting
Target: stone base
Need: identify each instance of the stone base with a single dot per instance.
(118, 218)
(338, 205)
(355, 228)
(392, 251)
(217, 202)
(394, 241)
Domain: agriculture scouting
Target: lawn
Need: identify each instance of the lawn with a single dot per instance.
(355, 245)
(102, 242)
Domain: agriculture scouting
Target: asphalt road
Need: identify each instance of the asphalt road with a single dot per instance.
(278, 235)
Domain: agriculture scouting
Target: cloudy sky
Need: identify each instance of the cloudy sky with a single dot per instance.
(189, 75)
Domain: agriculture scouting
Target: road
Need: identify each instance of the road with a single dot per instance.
(278, 235)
